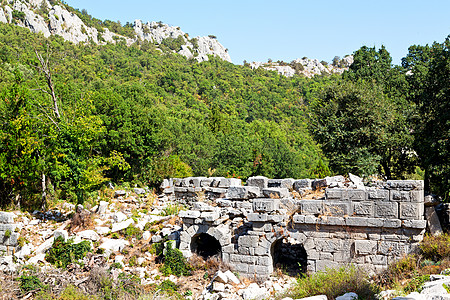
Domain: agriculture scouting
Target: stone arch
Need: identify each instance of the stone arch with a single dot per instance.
(289, 255)
(218, 236)
(206, 245)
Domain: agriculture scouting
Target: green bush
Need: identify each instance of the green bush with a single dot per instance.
(63, 253)
(436, 247)
(333, 283)
(132, 232)
(29, 283)
(174, 262)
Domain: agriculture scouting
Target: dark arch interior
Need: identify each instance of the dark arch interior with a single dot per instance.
(290, 258)
(205, 245)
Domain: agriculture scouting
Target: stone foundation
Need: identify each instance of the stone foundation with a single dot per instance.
(369, 226)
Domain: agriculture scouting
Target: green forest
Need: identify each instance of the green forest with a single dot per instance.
(75, 117)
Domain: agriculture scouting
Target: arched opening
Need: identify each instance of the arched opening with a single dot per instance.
(205, 245)
(289, 257)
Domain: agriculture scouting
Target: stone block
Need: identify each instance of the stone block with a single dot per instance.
(434, 225)
(322, 265)
(417, 196)
(266, 205)
(302, 184)
(281, 183)
(418, 224)
(240, 268)
(326, 256)
(400, 196)
(342, 256)
(392, 223)
(237, 192)
(277, 218)
(264, 261)
(337, 209)
(356, 194)
(363, 209)
(366, 247)
(377, 194)
(311, 220)
(311, 207)
(10, 227)
(275, 193)
(386, 210)
(411, 210)
(356, 221)
(192, 189)
(255, 217)
(196, 181)
(333, 221)
(405, 185)
(259, 181)
(298, 219)
(189, 214)
(180, 189)
(210, 216)
(336, 194)
(6, 217)
(313, 254)
(248, 241)
(328, 245)
(228, 182)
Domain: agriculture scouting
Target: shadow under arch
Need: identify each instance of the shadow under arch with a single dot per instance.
(206, 245)
(289, 257)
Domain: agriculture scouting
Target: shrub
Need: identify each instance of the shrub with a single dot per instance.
(334, 283)
(436, 247)
(171, 210)
(7, 234)
(30, 283)
(18, 15)
(132, 232)
(63, 253)
(174, 262)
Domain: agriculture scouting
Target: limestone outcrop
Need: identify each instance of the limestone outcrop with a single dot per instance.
(40, 16)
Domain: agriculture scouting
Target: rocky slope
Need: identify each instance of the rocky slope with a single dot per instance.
(52, 18)
(306, 66)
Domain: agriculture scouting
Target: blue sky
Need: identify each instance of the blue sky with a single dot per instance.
(289, 29)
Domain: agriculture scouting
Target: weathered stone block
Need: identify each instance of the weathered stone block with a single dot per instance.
(356, 221)
(392, 223)
(410, 210)
(356, 194)
(275, 193)
(298, 219)
(328, 245)
(6, 217)
(259, 181)
(228, 182)
(363, 209)
(418, 224)
(266, 205)
(255, 217)
(180, 189)
(365, 247)
(302, 184)
(377, 194)
(399, 196)
(342, 256)
(337, 209)
(192, 214)
(277, 218)
(281, 183)
(336, 194)
(417, 196)
(386, 210)
(321, 265)
(210, 216)
(196, 181)
(311, 207)
(405, 185)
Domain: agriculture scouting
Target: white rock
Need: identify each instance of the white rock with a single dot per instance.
(218, 286)
(146, 235)
(63, 233)
(348, 296)
(24, 251)
(122, 225)
(102, 207)
(119, 217)
(119, 258)
(44, 246)
(102, 230)
(113, 245)
(231, 277)
(37, 258)
(89, 235)
(220, 277)
(253, 291)
(140, 260)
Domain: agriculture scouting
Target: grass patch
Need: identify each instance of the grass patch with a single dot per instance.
(30, 283)
(334, 283)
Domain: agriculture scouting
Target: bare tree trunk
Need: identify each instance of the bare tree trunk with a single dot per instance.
(45, 69)
(44, 193)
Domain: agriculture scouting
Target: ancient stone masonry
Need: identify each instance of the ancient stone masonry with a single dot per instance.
(299, 225)
(8, 235)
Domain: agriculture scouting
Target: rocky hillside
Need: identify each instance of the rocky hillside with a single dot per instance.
(56, 18)
(306, 66)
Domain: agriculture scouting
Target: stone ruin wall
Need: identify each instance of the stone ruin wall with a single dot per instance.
(8, 235)
(272, 221)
